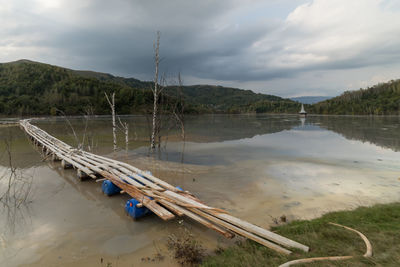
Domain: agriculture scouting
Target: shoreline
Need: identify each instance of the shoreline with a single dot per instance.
(380, 223)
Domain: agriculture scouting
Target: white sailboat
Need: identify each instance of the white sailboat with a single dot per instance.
(302, 112)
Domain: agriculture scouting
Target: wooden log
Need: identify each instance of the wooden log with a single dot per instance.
(75, 162)
(205, 222)
(138, 171)
(72, 161)
(239, 223)
(243, 232)
(136, 194)
(259, 231)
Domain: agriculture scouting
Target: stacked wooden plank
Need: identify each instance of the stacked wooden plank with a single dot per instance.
(165, 200)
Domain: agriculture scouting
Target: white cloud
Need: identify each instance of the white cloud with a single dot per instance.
(281, 46)
(334, 33)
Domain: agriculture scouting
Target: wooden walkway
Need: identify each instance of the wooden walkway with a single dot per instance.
(163, 199)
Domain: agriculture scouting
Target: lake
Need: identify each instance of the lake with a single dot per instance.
(257, 167)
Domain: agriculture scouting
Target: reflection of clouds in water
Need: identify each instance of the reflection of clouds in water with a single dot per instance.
(14, 221)
(322, 144)
(305, 179)
(253, 172)
(298, 171)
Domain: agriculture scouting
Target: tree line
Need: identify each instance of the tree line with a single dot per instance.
(380, 99)
(31, 88)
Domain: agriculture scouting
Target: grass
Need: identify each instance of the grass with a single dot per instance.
(380, 223)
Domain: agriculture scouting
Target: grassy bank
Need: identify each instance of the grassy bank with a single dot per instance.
(380, 223)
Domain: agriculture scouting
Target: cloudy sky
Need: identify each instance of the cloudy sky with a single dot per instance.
(282, 47)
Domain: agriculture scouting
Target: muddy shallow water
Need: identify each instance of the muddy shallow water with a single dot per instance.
(258, 167)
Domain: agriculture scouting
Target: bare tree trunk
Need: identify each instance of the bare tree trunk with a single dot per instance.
(112, 106)
(156, 92)
(126, 136)
(125, 127)
(88, 136)
(179, 109)
(155, 115)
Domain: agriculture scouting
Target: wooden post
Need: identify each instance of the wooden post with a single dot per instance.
(54, 157)
(65, 164)
(81, 175)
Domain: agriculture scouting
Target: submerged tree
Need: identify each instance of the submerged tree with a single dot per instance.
(114, 126)
(124, 126)
(157, 89)
(179, 108)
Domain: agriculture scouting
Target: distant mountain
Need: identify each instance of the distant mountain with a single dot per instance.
(33, 88)
(310, 99)
(380, 99)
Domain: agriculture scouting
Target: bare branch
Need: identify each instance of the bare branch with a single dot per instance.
(70, 125)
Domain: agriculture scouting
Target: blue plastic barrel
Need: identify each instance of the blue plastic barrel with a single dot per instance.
(109, 188)
(133, 211)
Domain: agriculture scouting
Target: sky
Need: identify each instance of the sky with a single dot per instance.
(282, 47)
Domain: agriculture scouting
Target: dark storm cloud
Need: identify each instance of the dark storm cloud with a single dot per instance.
(223, 41)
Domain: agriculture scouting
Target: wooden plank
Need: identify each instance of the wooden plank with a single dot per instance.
(204, 222)
(243, 232)
(70, 159)
(136, 194)
(138, 171)
(259, 231)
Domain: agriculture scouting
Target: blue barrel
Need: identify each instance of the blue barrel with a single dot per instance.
(133, 211)
(109, 188)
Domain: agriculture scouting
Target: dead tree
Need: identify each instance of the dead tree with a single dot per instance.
(179, 113)
(179, 109)
(88, 136)
(112, 106)
(125, 129)
(157, 89)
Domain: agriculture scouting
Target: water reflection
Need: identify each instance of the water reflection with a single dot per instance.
(381, 131)
(255, 166)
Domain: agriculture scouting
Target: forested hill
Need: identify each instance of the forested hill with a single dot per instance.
(212, 97)
(380, 99)
(32, 88)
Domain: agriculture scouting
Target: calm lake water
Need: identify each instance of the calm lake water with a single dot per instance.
(258, 167)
